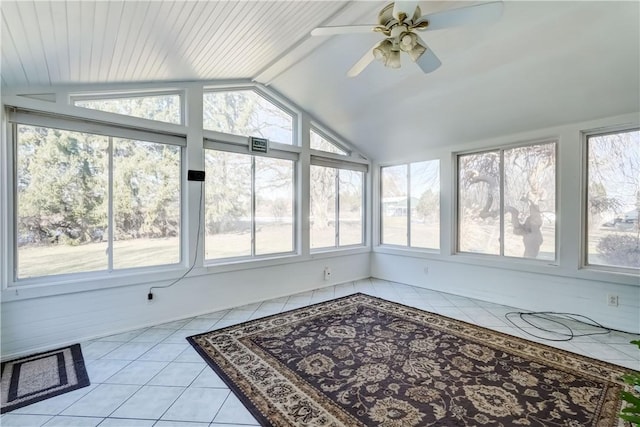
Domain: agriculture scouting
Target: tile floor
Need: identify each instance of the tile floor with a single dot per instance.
(152, 376)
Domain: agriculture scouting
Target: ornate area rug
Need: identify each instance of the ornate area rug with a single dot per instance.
(41, 376)
(364, 361)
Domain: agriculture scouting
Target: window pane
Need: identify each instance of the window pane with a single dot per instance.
(62, 201)
(529, 201)
(320, 143)
(274, 205)
(245, 113)
(425, 204)
(613, 200)
(479, 203)
(146, 203)
(227, 205)
(350, 231)
(164, 108)
(323, 207)
(394, 205)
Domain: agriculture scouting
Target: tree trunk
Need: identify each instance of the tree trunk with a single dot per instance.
(529, 229)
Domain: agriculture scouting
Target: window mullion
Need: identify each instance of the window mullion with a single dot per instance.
(501, 186)
(380, 208)
(337, 207)
(408, 205)
(363, 204)
(110, 218)
(253, 206)
(14, 254)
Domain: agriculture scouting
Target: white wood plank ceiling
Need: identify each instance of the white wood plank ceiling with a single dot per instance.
(57, 42)
(543, 64)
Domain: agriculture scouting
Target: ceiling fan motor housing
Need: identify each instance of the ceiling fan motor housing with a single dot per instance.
(386, 18)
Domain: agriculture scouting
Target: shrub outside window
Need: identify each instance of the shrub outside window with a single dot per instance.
(160, 107)
(506, 202)
(410, 205)
(337, 213)
(88, 202)
(244, 112)
(249, 205)
(613, 200)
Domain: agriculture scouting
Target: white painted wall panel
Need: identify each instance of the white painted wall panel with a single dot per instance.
(528, 291)
(36, 324)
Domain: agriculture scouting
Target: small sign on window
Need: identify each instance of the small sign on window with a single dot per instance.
(259, 145)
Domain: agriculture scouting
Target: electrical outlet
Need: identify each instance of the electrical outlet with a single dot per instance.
(612, 300)
(327, 273)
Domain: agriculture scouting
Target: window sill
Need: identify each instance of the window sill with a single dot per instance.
(84, 282)
(546, 267)
(338, 252)
(407, 251)
(228, 265)
(247, 264)
(61, 285)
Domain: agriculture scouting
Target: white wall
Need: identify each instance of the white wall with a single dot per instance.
(524, 290)
(31, 325)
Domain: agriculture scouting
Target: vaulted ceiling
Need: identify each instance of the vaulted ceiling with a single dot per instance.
(542, 64)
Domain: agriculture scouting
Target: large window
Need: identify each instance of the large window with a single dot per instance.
(164, 107)
(410, 205)
(244, 112)
(336, 207)
(613, 200)
(87, 202)
(249, 205)
(506, 202)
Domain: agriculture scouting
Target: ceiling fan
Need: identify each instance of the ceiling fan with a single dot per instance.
(399, 22)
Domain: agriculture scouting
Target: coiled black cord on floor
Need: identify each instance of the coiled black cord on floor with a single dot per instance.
(566, 333)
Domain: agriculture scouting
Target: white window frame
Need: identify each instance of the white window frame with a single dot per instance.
(274, 153)
(584, 234)
(320, 131)
(408, 225)
(58, 103)
(104, 96)
(456, 197)
(17, 116)
(277, 101)
(320, 160)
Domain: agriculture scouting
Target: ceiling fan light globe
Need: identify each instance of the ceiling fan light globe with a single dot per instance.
(379, 54)
(393, 61)
(382, 51)
(417, 51)
(407, 42)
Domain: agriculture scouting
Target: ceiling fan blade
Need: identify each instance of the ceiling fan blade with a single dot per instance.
(343, 29)
(362, 63)
(408, 8)
(428, 61)
(477, 14)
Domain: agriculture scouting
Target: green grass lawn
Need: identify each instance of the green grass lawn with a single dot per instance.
(34, 261)
(49, 260)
